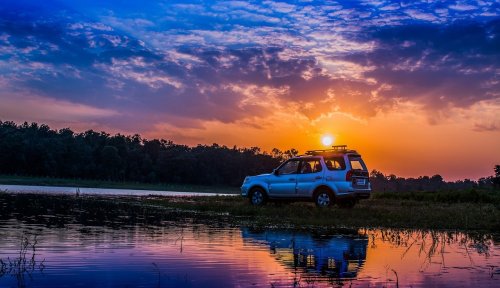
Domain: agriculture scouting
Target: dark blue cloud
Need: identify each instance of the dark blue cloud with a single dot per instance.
(454, 64)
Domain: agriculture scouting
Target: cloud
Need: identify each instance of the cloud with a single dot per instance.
(281, 7)
(42, 109)
(462, 7)
(421, 15)
(137, 69)
(435, 65)
(486, 127)
(233, 61)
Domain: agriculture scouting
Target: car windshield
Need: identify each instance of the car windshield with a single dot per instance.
(357, 163)
(289, 167)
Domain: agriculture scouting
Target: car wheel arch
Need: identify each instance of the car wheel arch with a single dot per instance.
(323, 186)
(258, 187)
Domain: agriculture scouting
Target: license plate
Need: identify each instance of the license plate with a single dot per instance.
(360, 181)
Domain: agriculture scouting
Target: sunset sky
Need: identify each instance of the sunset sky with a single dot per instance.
(414, 86)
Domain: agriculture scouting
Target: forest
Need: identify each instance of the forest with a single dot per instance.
(32, 149)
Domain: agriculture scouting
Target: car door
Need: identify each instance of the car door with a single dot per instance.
(283, 181)
(309, 176)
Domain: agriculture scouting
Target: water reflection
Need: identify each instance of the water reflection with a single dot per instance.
(332, 254)
(122, 243)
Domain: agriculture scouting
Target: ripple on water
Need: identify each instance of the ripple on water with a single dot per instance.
(188, 255)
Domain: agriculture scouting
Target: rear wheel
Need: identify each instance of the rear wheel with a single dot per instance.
(323, 198)
(257, 197)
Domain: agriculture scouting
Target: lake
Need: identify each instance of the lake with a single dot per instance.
(93, 248)
(58, 190)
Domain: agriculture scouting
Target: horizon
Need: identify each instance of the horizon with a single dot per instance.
(413, 87)
(261, 150)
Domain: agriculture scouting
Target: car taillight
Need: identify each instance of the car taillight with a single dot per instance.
(348, 175)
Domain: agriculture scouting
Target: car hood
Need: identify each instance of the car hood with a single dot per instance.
(261, 176)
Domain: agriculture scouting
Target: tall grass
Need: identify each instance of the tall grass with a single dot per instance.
(376, 212)
(25, 263)
(486, 196)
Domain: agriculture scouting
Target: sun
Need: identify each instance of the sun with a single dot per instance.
(327, 140)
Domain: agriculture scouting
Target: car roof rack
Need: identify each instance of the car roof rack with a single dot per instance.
(335, 149)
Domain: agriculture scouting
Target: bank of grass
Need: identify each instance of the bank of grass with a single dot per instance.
(381, 211)
(474, 195)
(63, 182)
(375, 212)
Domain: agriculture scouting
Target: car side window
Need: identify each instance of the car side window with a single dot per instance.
(335, 163)
(310, 166)
(289, 167)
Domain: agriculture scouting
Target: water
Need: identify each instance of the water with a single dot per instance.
(170, 250)
(56, 190)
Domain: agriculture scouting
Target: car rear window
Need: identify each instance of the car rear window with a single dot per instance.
(335, 163)
(357, 163)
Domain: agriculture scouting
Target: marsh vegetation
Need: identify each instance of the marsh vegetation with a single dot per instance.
(24, 263)
(443, 212)
(201, 242)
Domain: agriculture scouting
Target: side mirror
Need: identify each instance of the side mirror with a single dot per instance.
(276, 172)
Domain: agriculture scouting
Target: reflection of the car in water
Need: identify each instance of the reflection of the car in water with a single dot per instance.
(330, 254)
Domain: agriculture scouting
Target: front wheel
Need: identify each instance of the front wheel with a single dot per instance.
(257, 197)
(324, 198)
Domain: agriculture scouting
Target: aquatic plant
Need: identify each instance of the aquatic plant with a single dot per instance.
(157, 270)
(23, 264)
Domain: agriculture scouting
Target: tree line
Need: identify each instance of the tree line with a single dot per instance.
(30, 149)
(392, 183)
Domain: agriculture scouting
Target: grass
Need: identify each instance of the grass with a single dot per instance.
(376, 212)
(446, 196)
(48, 181)
(437, 210)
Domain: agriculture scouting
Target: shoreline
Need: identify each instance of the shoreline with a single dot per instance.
(371, 213)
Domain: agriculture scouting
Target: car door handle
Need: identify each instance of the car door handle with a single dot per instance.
(318, 177)
(292, 179)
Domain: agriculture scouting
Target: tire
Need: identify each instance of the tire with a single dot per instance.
(257, 197)
(323, 198)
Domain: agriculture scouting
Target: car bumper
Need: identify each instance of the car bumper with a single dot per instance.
(244, 190)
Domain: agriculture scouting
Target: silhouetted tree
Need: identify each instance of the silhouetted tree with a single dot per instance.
(35, 150)
(393, 183)
(496, 179)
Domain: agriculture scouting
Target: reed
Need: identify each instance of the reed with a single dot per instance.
(25, 263)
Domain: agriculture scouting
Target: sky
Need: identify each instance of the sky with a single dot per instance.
(414, 86)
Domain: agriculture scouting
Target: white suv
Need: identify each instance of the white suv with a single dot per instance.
(330, 176)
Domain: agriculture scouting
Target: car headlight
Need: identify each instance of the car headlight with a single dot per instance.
(246, 179)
